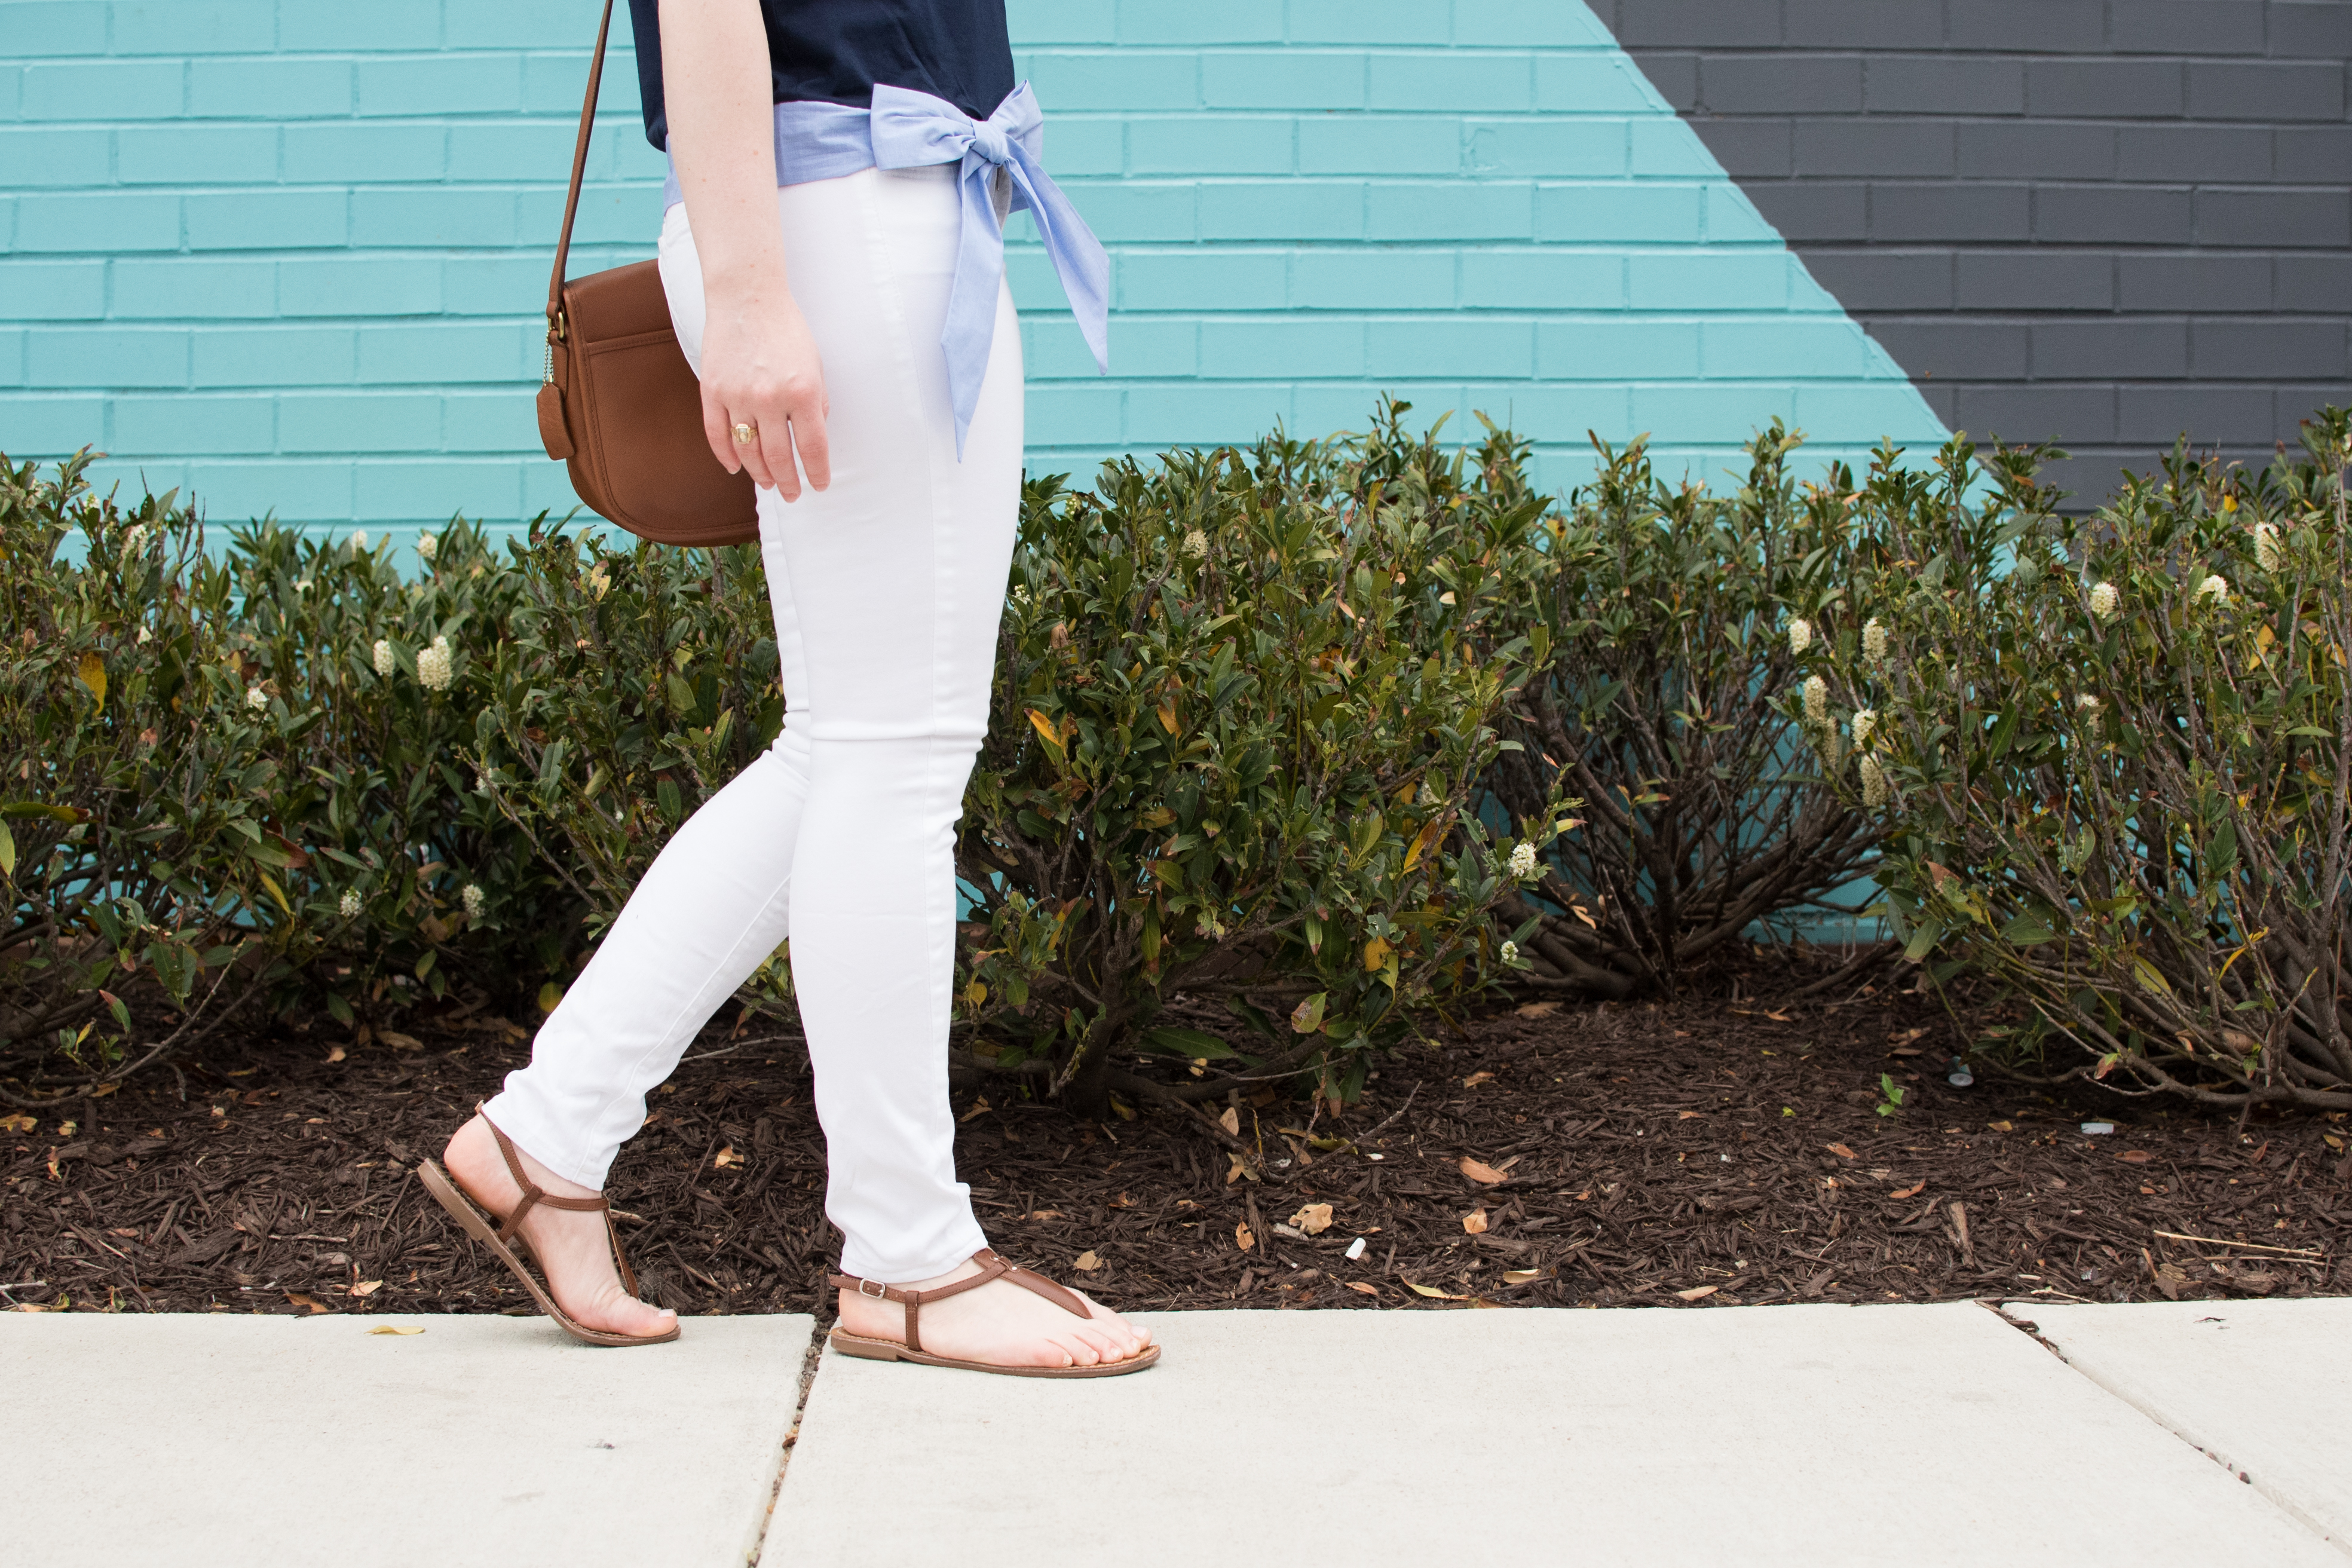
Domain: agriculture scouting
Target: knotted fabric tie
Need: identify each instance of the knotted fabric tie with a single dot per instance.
(908, 130)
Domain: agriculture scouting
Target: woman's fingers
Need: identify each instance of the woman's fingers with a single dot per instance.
(809, 435)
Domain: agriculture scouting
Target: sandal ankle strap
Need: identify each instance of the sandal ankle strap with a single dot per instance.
(992, 1267)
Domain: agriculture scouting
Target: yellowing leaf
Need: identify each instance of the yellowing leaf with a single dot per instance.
(1376, 955)
(393, 1329)
(1086, 1261)
(1696, 1292)
(18, 1124)
(1046, 730)
(1475, 1222)
(726, 1157)
(1434, 1293)
(1308, 1017)
(1243, 1237)
(1423, 840)
(1167, 716)
(1479, 1171)
(2002, 1126)
(93, 675)
(550, 994)
(1313, 1218)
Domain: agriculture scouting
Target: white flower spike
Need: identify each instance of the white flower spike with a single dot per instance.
(473, 899)
(432, 665)
(1196, 545)
(2216, 588)
(255, 699)
(425, 545)
(1873, 640)
(1800, 634)
(2103, 601)
(1865, 721)
(2266, 546)
(1510, 952)
(350, 906)
(2086, 704)
(1873, 783)
(359, 539)
(1817, 699)
(1523, 860)
(383, 661)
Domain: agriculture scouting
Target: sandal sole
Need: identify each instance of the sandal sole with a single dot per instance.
(865, 1348)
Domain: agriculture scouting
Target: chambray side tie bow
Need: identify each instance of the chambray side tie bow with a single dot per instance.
(908, 130)
(911, 129)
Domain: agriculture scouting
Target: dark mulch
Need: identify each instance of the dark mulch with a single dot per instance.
(1709, 1150)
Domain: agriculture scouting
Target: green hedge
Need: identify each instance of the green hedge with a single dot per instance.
(1290, 745)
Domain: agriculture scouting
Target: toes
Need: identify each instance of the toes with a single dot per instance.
(1082, 1350)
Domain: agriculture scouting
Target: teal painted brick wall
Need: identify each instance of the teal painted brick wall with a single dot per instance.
(290, 256)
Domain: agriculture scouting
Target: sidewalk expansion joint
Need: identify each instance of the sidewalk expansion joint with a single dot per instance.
(810, 1360)
(2277, 1498)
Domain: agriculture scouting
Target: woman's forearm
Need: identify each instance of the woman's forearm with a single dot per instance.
(718, 94)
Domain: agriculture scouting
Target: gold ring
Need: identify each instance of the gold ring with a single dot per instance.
(746, 433)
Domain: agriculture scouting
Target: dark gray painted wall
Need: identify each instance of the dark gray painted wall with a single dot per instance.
(2100, 222)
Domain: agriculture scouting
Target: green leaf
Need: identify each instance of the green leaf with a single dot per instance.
(1308, 1017)
(1923, 940)
(7, 851)
(2027, 930)
(1192, 1045)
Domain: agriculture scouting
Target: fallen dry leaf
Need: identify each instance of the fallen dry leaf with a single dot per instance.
(1521, 1275)
(1696, 1292)
(1689, 1116)
(1086, 1261)
(1475, 1222)
(2135, 1156)
(1478, 1172)
(726, 1157)
(1536, 1010)
(335, 1055)
(1313, 1218)
(1122, 1201)
(1910, 1192)
(1476, 1078)
(1904, 1036)
(18, 1124)
(979, 1108)
(393, 1329)
(1361, 1288)
(124, 1230)
(400, 1042)
(2002, 1126)
(367, 1287)
(299, 1300)
(1042, 1213)
(1841, 1151)
(1232, 1121)
(1434, 1293)
(1242, 1236)
(1780, 1017)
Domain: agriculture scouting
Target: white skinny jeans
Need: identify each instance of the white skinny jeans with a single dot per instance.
(887, 588)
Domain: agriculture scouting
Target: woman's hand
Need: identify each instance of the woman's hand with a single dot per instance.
(761, 368)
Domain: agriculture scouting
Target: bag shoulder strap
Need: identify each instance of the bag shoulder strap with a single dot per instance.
(555, 325)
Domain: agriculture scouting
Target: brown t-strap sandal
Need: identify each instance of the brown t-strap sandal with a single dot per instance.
(991, 1268)
(478, 1225)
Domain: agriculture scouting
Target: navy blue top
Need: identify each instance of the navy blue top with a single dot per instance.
(835, 50)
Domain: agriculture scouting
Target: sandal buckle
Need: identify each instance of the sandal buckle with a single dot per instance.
(879, 1292)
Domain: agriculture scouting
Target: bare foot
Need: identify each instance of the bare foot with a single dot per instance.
(569, 1245)
(1000, 1323)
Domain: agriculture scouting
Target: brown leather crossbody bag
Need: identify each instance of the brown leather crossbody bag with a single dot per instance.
(620, 404)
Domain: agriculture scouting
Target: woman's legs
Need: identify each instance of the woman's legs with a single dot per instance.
(887, 588)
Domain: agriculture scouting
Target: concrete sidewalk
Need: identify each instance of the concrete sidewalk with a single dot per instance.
(2202, 1434)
